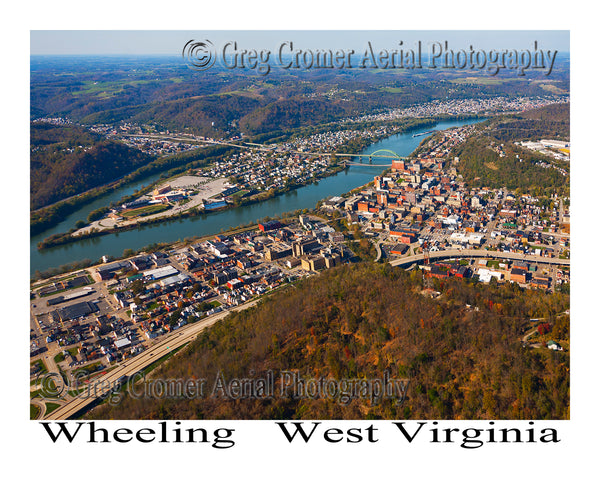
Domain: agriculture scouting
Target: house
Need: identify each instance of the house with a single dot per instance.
(552, 345)
(336, 237)
(141, 263)
(234, 284)
(540, 281)
(122, 342)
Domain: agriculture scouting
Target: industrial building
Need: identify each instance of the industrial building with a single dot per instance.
(107, 271)
(77, 310)
(161, 272)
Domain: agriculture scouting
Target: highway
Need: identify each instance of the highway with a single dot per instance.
(262, 148)
(180, 337)
(405, 261)
(130, 366)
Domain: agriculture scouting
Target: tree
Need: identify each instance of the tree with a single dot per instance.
(137, 287)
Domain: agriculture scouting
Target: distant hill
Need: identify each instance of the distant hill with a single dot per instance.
(481, 164)
(67, 160)
(166, 93)
(552, 121)
(559, 113)
(292, 113)
(461, 351)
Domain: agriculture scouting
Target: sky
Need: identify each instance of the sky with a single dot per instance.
(171, 42)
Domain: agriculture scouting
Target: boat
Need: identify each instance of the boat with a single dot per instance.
(423, 133)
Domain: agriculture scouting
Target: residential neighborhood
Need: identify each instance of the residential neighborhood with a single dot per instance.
(127, 305)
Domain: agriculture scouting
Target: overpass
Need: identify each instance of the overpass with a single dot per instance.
(445, 254)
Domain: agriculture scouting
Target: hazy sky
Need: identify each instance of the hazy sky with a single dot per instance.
(114, 42)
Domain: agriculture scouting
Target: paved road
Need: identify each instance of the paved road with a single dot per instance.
(132, 365)
(490, 228)
(262, 148)
(379, 250)
(404, 261)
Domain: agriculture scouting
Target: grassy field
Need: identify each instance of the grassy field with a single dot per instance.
(106, 89)
(239, 194)
(493, 264)
(34, 411)
(552, 88)
(62, 278)
(88, 369)
(393, 89)
(144, 211)
(50, 407)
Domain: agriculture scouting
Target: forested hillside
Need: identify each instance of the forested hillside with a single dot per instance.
(461, 351)
(222, 102)
(67, 160)
(490, 157)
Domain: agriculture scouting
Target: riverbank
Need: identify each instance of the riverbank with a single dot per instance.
(46, 217)
(40, 278)
(50, 216)
(304, 197)
(72, 236)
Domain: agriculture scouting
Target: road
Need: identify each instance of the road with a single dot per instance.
(378, 249)
(262, 148)
(404, 261)
(490, 228)
(131, 366)
(180, 337)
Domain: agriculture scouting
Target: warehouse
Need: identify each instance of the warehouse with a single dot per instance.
(176, 280)
(107, 271)
(76, 310)
(66, 298)
(161, 272)
(122, 342)
(270, 225)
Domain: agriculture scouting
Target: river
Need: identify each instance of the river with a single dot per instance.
(303, 197)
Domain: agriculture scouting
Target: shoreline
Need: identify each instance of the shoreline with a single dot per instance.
(61, 208)
(67, 237)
